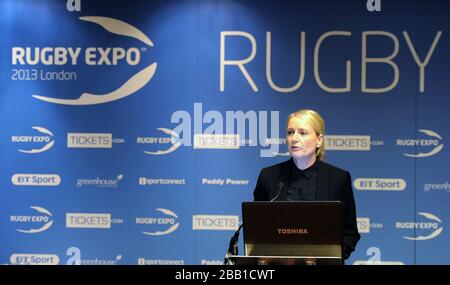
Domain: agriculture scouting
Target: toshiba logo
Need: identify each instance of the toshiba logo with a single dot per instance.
(292, 231)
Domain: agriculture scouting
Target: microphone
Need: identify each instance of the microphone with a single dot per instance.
(233, 246)
(280, 187)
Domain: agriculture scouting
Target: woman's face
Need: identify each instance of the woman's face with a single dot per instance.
(302, 139)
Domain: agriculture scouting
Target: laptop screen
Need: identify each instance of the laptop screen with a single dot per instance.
(292, 228)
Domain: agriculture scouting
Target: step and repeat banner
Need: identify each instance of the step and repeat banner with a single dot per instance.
(132, 131)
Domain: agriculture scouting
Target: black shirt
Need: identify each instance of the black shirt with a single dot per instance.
(303, 183)
(331, 184)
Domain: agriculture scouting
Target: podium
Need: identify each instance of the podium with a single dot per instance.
(284, 260)
(291, 233)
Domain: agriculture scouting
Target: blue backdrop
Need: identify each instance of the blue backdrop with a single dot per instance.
(133, 130)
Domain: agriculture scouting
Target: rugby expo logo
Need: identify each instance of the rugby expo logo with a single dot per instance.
(92, 56)
(43, 218)
(173, 142)
(425, 147)
(40, 143)
(432, 227)
(161, 225)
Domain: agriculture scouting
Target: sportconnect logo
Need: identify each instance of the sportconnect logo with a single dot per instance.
(144, 181)
(145, 261)
(91, 56)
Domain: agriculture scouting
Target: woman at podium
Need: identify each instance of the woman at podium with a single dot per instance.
(306, 177)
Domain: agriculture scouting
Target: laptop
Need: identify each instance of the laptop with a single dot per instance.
(297, 229)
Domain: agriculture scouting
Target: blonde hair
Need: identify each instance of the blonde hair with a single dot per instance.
(317, 123)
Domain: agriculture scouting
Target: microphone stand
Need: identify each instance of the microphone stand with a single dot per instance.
(233, 246)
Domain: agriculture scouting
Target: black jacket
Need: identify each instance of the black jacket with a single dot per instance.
(333, 184)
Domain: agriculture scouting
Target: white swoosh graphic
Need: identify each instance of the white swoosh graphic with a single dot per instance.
(43, 130)
(33, 231)
(169, 132)
(119, 28)
(41, 210)
(430, 216)
(162, 152)
(46, 147)
(34, 150)
(173, 148)
(432, 235)
(159, 233)
(422, 154)
(167, 212)
(430, 133)
(434, 151)
(133, 84)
